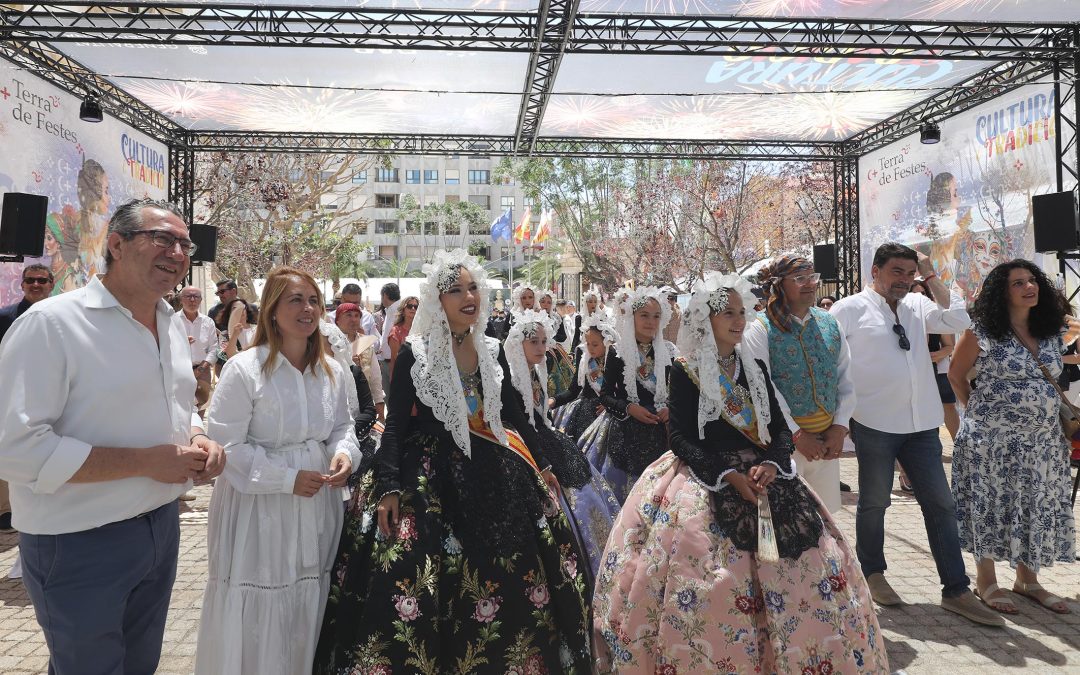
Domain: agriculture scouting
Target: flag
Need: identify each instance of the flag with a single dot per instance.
(500, 229)
(543, 229)
(521, 233)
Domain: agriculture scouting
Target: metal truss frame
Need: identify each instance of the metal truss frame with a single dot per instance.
(422, 144)
(846, 221)
(187, 23)
(555, 20)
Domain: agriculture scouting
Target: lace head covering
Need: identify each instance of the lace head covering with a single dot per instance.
(553, 313)
(515, 295)
(599, 321)
(626, 343)
(524, 328)
(771, 277)
(435, 373)
(342, 352)
(697, 344)
(593, 294)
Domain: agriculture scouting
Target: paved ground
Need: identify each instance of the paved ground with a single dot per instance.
(921, 637)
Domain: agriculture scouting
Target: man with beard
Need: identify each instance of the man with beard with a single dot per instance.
(897, 416)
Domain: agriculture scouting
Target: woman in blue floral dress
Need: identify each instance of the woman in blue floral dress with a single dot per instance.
(455, 556)
(1010, 463)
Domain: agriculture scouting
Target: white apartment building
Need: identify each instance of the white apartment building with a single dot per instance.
(435, 180)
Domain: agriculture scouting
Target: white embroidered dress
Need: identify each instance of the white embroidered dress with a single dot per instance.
(270, 551)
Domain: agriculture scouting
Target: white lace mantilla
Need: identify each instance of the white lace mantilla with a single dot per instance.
(663, 351)
(520, 372)
(438, 382)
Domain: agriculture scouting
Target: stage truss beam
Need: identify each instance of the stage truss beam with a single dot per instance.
(505, 145)
(180, 23)
(555, 20)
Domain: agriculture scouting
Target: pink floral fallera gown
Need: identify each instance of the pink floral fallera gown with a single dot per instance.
(676, 593)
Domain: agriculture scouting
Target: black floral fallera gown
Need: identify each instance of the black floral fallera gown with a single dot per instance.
(483, 574)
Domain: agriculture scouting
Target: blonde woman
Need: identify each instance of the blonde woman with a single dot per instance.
(281, 410)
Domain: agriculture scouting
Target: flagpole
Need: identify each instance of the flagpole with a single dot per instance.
(511, 248)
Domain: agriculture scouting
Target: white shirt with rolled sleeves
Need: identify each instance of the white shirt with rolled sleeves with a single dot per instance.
(79, 371)
(205, 333)
(896, 390)
(822, 475)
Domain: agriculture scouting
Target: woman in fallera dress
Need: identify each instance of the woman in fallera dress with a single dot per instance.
(560, 366)
(281, 410)
(579, 406)
(632, 430)
(687, 583)
(587, 499)
(456, 557)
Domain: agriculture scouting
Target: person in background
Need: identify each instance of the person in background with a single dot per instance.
(226, 293)
(98, 439)
(1010, 462)
(203, 341)
(897, 415)
(236, 323)
(37, 284)
(352, 293)
(826, 302)
(810, 362)
(364, 349)
(402, 325)
(671, 330)
(390, 298)
(281, 409)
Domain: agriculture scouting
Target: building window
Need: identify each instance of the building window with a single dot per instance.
(413, 252)
(412, 176)
(453, 199)
(527, 202)
(361, 226)
(359, 177)
(483, 201)
(386, 227)
(507, 202)
(412, 227)
(479, 176)
(453, 176)
(386, 201)
(388, 252)
(431, 176)
(431, 200)
(504, 180)
(295, 175)
(386, 176)
(481, 228)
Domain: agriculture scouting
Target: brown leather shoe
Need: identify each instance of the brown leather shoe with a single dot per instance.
(881, 591)
(969, 607)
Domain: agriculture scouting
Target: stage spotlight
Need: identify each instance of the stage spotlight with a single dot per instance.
(929, 133)
(90, 110)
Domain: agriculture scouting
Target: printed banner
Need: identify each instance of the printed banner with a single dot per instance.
(85, 169)
(966, 201)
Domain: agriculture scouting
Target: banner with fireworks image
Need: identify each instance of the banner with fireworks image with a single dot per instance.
(966, 201)
(85, 169)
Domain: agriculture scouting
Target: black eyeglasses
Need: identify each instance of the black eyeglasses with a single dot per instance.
(40, 281)
(905, 344)
(165, 240)
(411, 306)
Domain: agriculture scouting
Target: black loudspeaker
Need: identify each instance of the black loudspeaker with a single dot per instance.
(205, 237)
(1057, 227)
(825, 261)
(22, 224)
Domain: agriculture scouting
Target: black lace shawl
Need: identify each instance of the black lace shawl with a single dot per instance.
(365, 419)
(798, 525)
(613, 394)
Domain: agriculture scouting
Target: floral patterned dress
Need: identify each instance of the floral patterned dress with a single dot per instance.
(482, 574)
(680, 588)
(1010, 463)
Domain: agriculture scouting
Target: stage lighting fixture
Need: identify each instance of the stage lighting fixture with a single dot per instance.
(929, 133)
(90, 110)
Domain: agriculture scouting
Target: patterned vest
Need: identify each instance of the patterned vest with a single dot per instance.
(803, 363)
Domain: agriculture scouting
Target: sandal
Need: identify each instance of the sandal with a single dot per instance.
(998, 604)
(1050, 601)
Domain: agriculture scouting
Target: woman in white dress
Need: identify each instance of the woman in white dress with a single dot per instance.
(281, 410)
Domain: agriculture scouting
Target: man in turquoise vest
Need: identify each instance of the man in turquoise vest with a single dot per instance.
(808, 360)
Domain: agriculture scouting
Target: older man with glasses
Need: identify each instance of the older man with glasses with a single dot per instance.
(98, 438)
(897, 416)
(203, 339)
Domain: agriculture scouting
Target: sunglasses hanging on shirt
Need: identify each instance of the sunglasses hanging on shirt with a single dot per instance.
(905, 344)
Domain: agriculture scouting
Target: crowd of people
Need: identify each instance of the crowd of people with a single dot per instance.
(645, 486)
